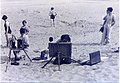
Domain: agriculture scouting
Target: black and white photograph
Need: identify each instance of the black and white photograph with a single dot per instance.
(59, 41)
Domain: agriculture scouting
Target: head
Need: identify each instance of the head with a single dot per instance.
(24, 22)
(109, 10)
(52, 8)
(4, 17)
(50, 39)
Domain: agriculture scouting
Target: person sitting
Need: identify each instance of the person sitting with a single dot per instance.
(43, 55)
(24, 27)
(21, 44)
(24, 33)
(22, 41)
(12, 43)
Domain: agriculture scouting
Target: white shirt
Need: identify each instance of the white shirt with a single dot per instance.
(26, 38)
(52, 12)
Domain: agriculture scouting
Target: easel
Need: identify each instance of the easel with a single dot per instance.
(16, 49)
(9, 56)
(58, 56)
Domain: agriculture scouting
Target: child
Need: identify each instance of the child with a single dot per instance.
(52, 15)
(24, 28)
(7, 27)
(24, 33)
(12, 43)
(109, 21)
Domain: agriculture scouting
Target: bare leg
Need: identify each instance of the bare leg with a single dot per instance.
(15, 53)
(53, 23)
(108, 35)
(6, 39)
(103, 36)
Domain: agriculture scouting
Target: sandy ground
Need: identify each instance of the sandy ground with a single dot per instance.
(82, 20)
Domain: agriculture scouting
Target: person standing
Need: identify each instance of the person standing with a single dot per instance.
(24, 33)
(52, 15)
(7, 27)
(109, 21)
(24, 37)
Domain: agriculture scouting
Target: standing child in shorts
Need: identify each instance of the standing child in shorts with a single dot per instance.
(109, 21)
(52, 15)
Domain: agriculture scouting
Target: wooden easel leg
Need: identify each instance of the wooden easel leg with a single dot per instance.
(27, 55)
(58, 61)
(47, 62)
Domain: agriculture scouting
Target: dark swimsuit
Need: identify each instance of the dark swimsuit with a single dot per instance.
(7, 29)
(52, 16)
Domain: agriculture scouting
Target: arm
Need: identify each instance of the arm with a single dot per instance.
(50, 13)
(26, 39)
(55, 14)
(113, 21)
(104, 20)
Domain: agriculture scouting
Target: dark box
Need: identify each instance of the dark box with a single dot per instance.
(64, 48)
(95, 57)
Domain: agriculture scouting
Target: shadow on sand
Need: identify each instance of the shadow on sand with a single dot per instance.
(4, 46)
(3, 59)
(85, 44)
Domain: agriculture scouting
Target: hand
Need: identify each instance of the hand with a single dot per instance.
(5, 32)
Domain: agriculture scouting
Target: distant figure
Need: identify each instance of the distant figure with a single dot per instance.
(52, 15)
(7, 27)
(109, 21)
(24, 32)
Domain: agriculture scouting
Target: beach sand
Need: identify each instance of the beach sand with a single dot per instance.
(81, 19)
